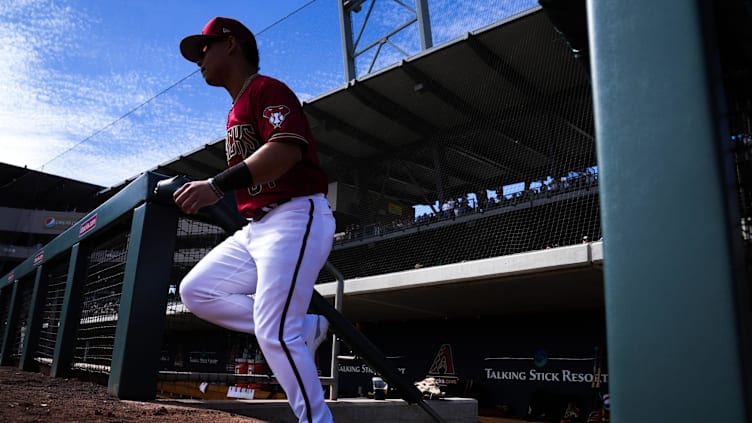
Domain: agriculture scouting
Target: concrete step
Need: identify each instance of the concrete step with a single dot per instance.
(349, 410)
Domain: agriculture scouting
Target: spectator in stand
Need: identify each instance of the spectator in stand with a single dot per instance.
(516, 198)
(592, 178)
(482, 200)
(554, 187)
(433, 217)
(566, 183)
(446, 208)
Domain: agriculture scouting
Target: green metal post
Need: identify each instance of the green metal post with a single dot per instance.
(141, 316)
(70, 313)
(670, 231)
(34, 326)
(10, 326)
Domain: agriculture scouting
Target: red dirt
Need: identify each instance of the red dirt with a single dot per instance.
(36, 397)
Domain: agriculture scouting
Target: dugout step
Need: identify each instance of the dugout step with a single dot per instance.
(348, 410)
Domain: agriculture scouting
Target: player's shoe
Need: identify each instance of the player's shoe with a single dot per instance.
(317, 334)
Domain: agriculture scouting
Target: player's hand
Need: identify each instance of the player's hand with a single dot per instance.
(192, 196)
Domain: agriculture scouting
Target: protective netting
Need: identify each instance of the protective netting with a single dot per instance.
(191, 344)
(194, 240)
(468, 237)
(739, 118)
(56, 278)
(25, 291)
(101, 299)
(740, 130)
(517, 173)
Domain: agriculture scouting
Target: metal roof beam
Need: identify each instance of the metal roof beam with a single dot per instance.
(330, 121)
(420, 187)
(480, 159)
(453, 171)
(394, 111)
(425, 81)
(521, 83)
(497, 128)
(500, 66)
(453, 100)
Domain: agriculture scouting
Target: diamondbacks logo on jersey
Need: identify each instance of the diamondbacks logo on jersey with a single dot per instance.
(240, 141)
(276, 115)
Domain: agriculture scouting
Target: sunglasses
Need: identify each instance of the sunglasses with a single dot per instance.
(208, 43)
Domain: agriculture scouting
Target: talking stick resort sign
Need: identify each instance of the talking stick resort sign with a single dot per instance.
(561, 370)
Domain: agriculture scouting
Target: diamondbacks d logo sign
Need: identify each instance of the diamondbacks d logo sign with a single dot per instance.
(443, 363)
(442, 368)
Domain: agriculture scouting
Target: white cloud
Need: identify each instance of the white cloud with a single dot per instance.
(60, 99)
(454, 18)
(25, 105)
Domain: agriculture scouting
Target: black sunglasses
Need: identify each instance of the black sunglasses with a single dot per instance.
(208, 43)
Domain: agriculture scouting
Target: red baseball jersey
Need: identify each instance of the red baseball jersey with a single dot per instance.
(268, 111)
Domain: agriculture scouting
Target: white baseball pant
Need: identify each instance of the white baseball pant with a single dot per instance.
(277, 258)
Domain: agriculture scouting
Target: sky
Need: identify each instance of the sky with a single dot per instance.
(96, 90)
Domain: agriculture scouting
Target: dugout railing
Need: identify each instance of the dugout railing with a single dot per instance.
(100, 297)
(121, 265)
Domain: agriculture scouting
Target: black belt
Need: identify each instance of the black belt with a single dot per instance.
(259, 213)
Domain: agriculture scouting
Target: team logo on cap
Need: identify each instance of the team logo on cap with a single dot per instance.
(276, 115)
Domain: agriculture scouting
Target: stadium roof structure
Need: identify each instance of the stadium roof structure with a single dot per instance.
(24, 188)
(383, 130)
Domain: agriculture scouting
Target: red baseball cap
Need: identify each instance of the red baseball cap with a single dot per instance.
(216, 28)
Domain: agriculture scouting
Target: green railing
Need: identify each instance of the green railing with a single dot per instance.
(94, 298)
(101, 297)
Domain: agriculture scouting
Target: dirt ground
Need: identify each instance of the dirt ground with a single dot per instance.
(35, 397)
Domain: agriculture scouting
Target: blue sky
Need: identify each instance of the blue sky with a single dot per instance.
(96, 90)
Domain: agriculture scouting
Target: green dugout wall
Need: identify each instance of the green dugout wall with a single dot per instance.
(676, 307)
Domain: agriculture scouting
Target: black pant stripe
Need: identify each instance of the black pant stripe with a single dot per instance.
(309, 412)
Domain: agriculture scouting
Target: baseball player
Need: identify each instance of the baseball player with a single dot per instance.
(279, 186)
